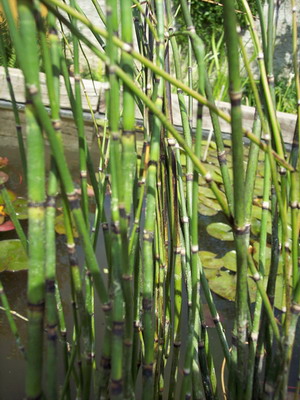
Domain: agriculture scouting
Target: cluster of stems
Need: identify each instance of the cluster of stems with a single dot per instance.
(151, 282)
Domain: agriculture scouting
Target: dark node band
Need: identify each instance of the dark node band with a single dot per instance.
(39, 307)
(52, 333)
(177, 344)
(105, 226)
(51, 201)
(105, 362)
(222, 157)
(148, 370)
(127, 132)
(118, 328)
(189, 177)
(36, 204)
(115, 228)
(107, 307)
(295, 309)
(73, 259)
(152, 162)
(201, 345)
(50, 286)
(242, 230)
(73, 201)
(127, 277)
(147, 304)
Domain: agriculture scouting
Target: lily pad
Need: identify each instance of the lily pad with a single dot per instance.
(21, 208)
(229, 260)
(207, 211)
(223, 283)
(209, 260)
(221, 231)
(209, 203)
(60, 226)
(12, 195)
(256, 226)
(207, 192)
(12, 256)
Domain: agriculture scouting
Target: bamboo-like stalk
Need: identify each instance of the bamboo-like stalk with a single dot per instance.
(261, 270)
(240, 228)
(295, 232)
(52, 78)
(117, 384)
(161, 280)
(148, 233)
(36, 200)
(129, 174)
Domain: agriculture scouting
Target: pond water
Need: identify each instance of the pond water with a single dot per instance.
(12, 365)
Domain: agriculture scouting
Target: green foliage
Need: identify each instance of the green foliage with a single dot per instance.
(285, 92)
(208, 20)
(9, 49)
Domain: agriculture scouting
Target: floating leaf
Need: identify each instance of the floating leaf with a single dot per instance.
(12, 195)
(207, 211)
(256, 226)
(223, 283)
(12, 256)
(210, 203)
(221, 231)
(7, 226)
(60, 226)
(209, 260)
(207, 192)
(21, 208)
(229, 260)
(268, 252)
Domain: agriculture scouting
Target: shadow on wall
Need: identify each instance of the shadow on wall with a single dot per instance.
(283, 60)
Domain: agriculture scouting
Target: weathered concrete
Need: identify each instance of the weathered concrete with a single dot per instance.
(95, 93)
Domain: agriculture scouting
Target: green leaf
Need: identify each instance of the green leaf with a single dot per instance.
(211, 203)
(60, 226)
(223, 283)
(229, 260)
(209, 260)
(12, 256)
(221, 231)
(207, 211)
(12, 195)
(21, 208)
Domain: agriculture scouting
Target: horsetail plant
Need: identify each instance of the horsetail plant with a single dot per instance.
(148, 200)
